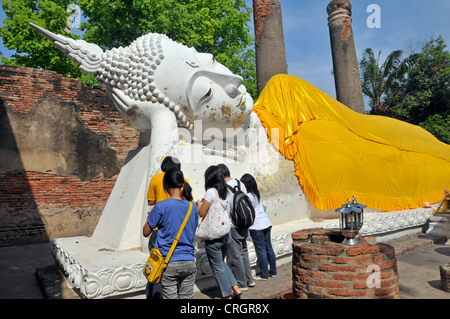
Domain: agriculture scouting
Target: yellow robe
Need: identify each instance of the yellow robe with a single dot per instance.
(386, 163)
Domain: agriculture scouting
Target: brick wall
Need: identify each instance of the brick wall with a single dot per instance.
(35, 206)
(21, 88)
(324, 269)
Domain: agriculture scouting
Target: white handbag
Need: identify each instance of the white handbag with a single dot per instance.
(217, 222)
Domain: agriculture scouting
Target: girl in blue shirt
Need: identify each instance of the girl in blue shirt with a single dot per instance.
(177, 281)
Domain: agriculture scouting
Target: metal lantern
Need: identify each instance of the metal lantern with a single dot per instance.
(444, 207)
(351, 219)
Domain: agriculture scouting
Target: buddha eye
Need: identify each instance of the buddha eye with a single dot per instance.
(206, 96)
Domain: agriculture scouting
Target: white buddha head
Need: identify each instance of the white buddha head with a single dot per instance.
(192, 85)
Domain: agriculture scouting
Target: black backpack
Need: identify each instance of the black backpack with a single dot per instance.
(242, 211)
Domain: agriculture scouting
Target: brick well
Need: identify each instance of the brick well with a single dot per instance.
(323, 268)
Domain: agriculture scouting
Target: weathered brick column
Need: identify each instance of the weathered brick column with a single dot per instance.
(323, 268)
(269, 41)
(345, 64)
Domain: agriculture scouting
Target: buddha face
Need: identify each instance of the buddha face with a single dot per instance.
(205, 89)
(216, 96)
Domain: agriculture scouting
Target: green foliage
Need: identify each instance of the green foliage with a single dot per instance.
(415, 90)
(219, 27)
(423, 96)
(376, 79)
(31, 48)
(439, 126)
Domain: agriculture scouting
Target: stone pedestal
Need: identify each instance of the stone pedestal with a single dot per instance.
(345, 64)
(324, 268)
(97, 270)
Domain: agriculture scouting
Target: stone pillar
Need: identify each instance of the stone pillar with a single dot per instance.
(345, 64)
(269, 41)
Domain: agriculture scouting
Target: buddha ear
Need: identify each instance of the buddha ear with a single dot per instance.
(86, 55)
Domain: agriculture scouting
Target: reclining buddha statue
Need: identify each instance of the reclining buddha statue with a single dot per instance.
(308, 152)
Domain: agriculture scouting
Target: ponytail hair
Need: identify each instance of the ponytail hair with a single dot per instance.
(174, 178)
(187, 191)
(250, 184)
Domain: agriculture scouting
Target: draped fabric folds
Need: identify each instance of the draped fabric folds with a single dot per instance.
(386, 163)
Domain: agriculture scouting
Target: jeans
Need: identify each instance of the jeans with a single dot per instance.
(216, 251)
(177, 281)
(264, 251)
(237, 257)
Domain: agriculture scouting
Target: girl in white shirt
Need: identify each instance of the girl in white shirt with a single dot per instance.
(216, 249)
(260, 231)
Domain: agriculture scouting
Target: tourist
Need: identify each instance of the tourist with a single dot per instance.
(216, 249)
(177, 281)
(260, 231)
(237, 255)
(155, 194)
(156, 190)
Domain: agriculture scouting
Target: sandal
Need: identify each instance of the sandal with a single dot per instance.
(236, 296)
(227, 297)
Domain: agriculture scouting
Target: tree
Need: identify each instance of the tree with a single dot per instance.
(439, 126)
(219, 27)
(31, 49)
(422, 97)
(376, 80)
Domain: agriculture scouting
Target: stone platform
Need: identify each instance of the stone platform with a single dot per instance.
(98, 271)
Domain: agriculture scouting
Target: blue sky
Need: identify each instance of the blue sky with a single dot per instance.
(307, 39)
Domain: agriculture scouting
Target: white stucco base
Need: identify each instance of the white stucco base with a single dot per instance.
(99, 270)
